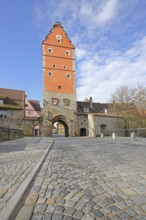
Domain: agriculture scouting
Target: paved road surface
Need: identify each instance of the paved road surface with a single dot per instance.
(81, 178)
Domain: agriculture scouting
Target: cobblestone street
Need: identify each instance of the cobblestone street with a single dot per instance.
(90, 179)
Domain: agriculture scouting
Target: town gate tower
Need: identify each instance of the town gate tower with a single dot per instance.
(59, 84)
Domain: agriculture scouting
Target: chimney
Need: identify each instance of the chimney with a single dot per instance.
(91, 104)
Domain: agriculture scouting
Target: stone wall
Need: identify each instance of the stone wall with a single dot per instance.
(14, 120)
(97, 124)
(82, 122)
(10, 134)
(111, 124)
(63, 109)
(28, 126)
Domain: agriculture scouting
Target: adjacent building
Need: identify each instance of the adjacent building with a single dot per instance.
(17, 112)
(32, 119)
(96, 118)
(11, 108)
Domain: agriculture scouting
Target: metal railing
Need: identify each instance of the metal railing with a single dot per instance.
(10, 134)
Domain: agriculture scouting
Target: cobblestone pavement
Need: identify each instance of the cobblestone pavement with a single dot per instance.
(88, 179)
(17, 158)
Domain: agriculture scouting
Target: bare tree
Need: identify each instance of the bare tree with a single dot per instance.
(139, 96)
(129, 102)
(122, 95)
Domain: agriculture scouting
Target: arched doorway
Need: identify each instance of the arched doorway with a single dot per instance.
(83, 132)
(36, 130)
(103, 129)
(59, 126)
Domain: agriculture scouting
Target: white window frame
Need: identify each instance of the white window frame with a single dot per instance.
(50, 74)
(86, 109)
(67, 52)
(51, 50)
(68, 76)
(3, 114)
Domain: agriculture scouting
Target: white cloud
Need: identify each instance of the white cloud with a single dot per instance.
(100, 32)
(98, 12)
(108, 11)
(76, 13)
(80, 53)
(100, 80)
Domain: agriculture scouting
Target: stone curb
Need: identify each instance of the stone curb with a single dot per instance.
(12, 204)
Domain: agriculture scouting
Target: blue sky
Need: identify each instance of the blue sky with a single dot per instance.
(109, 37)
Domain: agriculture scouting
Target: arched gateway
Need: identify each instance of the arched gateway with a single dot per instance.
(61, 119)
(59, 89)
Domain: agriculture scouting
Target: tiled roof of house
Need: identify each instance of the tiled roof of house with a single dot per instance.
(36, 105)
(93, 108)
(12, 98)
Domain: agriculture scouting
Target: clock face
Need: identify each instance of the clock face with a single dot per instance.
(58, 37)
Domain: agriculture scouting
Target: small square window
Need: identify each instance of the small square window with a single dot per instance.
(65, 67)
(50, 50)
(50, 73)
(59, 87)
(54, 65)
(86, 110)
(30, 112)
(3, 114)
(59, 41)
(67, 52)
(68, 76)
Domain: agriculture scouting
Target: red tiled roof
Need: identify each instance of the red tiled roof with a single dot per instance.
(35, 104)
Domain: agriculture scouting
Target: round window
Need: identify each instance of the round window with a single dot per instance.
(58, 37)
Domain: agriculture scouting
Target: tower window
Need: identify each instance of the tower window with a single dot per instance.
(65, 67)
(50, 50)
(68, 76)
(59, 87)
(50, 73)
(54, 65)
(58, 37)
(67, 52)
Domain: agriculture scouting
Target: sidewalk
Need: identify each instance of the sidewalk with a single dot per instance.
(17, 160)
